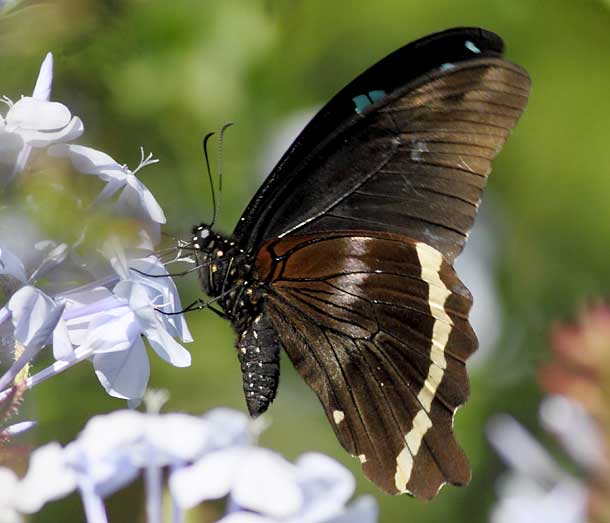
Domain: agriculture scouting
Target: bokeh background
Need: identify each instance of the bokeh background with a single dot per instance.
(162, 74)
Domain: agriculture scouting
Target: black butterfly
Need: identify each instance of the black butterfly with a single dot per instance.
(344, 255)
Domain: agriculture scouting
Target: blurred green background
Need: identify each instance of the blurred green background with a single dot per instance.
(162, 74)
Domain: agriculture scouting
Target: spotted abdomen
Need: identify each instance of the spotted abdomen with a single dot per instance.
(258, 349)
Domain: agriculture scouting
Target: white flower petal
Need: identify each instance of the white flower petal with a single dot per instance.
(105, 474)
(178, 436)
(62, 346)
(30, 114)
(90, 161)
(8, 496)
(210, 477)
(576, 429)
(8, 484)
(228, 427)
(105, 434)
(108, 450)
(35, 316)
(48, 478)
(109, 190)
(266, 483)
(42, 89)
(363, 510)
(518, 449)
(154, 330)
(124, 374)
(137, 199)
(525, 501)
(66, 134)
(167, 347)
(176, 325)
(81, 309)
(11, 146)
(53, 258)
(113, 331)
(327, 486)
(22, 160)
(19, 428)
(11, 265)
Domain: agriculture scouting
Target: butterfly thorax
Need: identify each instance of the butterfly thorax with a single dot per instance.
(226, 273)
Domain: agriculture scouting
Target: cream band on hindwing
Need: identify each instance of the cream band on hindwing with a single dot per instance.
(431, 262)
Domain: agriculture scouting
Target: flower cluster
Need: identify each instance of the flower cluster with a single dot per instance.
(576, 413)
(91, 294)
(208, 457)
(95, 295)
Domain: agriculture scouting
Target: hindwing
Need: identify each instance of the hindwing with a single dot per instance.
(377, 325)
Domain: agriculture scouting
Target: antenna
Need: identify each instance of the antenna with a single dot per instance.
(220, 140)
(207, 164)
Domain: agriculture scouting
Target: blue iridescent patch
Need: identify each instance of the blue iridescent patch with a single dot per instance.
(362, 101)
(376, 95)
(471, 47)
(447, 66)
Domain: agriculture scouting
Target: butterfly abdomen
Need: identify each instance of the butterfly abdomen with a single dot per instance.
(258, 349)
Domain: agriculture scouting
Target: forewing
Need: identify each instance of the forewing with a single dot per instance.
(405, 148)
(377, 325)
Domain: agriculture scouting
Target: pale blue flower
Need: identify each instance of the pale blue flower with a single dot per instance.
(31, 122)
(11, 265)
(49, 477)
(34, 316)
(42, 91)
(264, 487)
(103, 321)
(18, 428)
(44, 82)
(8, 496)
(135, 199)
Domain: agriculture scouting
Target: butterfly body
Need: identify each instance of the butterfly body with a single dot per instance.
(344, 256)
(227, 273)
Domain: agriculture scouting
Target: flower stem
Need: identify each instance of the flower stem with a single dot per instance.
(177, 511)
(95, 511)
(80, 354)
(154, 493)
(5, 314)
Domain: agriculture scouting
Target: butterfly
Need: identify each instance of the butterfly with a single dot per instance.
(344, 257)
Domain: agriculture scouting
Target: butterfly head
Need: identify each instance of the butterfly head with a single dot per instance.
(204, 239)
(214, 253)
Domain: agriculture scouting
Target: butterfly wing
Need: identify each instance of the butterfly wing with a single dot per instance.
(406, 147)
(377, 325)
(354, 233)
